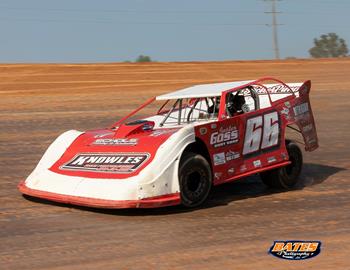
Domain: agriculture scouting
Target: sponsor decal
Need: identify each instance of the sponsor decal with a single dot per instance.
(231, 171)
(285, 112)
(243, 168)
(225, 136)
(295, 249)
(219, 159)
(115, 142)
(213, 126)
(159, 132)
(308, 128)
(147, 126)
(106, 162)
(301, 109)
(306, 116)
(271, 159)
(203, 130)
(287, 104)
(257, 163)
(217, 175)
(311, 141)
(103, 135)
(231, 155)
(278, 88)
(284, 156)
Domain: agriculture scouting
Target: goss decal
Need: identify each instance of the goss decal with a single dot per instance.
(231, 155)
(115, 142)
(301, 109)
(219, 159)
(225, 136)
(109, 163)
(295, 250)
(262, 132)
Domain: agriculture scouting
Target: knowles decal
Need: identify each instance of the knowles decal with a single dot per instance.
(108, 163)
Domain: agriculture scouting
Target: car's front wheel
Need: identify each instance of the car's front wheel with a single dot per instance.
(288, 176)
(195, 179)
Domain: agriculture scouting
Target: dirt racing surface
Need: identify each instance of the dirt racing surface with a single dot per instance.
(237, 226)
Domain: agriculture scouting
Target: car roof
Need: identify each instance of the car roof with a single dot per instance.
(203, 90)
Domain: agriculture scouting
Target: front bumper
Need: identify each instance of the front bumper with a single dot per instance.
(152, 202)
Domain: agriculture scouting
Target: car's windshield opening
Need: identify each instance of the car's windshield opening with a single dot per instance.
(190, 110)
(178, 111)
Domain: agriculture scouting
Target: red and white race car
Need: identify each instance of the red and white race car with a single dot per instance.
(200, 136)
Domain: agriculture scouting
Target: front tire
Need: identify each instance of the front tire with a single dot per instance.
(285, 177)
(195, 179)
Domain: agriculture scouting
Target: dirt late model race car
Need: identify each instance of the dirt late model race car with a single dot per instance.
(200, 136)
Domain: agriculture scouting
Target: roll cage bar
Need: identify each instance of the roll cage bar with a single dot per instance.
(222, 110)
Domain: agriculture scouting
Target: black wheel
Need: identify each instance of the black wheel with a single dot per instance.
(288, 176)
(195, 179)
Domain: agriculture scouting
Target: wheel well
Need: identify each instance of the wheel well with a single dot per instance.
(198, 147)
(293, 134)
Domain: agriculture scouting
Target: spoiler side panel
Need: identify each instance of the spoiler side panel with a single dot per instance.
(304, 117)
(298, 111)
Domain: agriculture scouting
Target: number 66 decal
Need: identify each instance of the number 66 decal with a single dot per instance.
(261, 132)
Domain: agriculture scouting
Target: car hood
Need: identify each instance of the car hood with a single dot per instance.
(112, 153)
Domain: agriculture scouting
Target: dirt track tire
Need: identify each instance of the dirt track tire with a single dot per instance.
(285, 177)
(195, 179)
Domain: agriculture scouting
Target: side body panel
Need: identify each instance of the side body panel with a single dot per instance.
(245, 144)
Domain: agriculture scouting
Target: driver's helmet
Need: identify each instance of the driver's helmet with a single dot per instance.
(235, 103)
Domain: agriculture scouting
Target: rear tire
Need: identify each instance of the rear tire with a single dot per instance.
(288, 176)
(195, 179)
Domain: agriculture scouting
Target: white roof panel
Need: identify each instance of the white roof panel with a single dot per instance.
(203, 90)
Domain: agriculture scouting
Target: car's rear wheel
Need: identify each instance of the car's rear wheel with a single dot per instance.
(285, 177)
(195, 179)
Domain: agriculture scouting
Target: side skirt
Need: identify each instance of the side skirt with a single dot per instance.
(258, 170)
